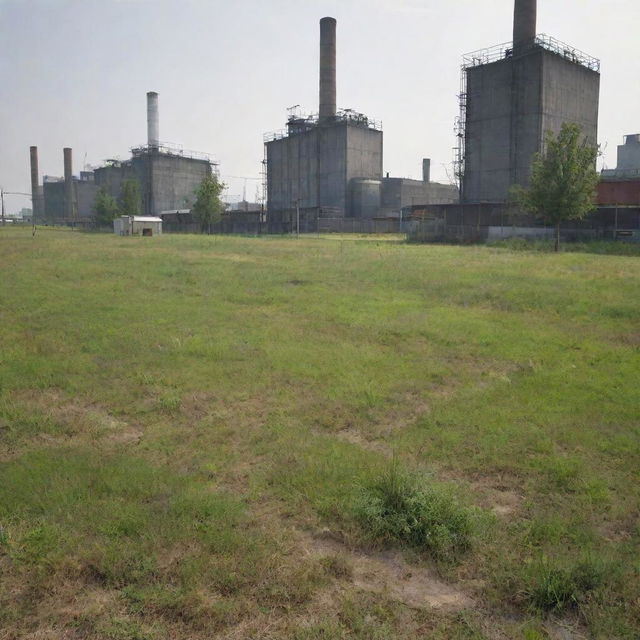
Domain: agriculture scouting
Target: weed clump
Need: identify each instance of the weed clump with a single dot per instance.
(555, 588)
(398, 508)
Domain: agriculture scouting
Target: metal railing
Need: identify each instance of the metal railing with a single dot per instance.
(171, 149)
(301, 123)
(621, 174)
(505, 50)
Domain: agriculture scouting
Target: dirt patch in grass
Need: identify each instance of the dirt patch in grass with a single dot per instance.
(58, 419)
(355, 437)
(502, 500)
(388, 573)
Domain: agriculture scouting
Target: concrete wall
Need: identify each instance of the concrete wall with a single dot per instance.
(510, 105)
(112, 177)
(54, 200)
(488, 131)
(173, 181)
(629, 154)
(364, 153)
(403, 192)
(365, 197)
(166, 181)
(86, 192)
(332, 167)
(292, 171)
(571, 93)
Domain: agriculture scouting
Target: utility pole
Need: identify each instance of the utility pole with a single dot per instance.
(297, 218)
(2, 198)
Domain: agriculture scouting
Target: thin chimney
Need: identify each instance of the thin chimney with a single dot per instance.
(35, 188)
(153, 122)
(69, 208)
(327, 68)
(524, 23)
(426, 170)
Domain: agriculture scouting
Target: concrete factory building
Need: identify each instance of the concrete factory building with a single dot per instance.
(511, 95)
(167, 175)
(330, 165)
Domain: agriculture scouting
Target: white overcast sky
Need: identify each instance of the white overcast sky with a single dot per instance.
(75, 73)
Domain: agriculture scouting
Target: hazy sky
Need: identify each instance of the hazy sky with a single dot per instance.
(75, 73)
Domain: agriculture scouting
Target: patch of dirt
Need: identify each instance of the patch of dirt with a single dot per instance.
(82, 420)
(499, 493)
(128, 436)
(501, 500)
(561, 631)
(197, 405)
(355, 437)
(387, 573)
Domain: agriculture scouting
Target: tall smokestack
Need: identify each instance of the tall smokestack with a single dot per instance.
(524, 23)
(35, 188)
(327, 68)
(69, 209)
(153, 122)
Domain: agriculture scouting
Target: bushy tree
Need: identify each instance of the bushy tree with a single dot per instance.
(130, 198)
(208, 206)
(105, 207)
(563, 178)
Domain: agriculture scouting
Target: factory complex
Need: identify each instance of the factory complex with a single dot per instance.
(324, 170)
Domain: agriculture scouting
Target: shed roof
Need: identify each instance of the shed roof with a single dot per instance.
(146, 219)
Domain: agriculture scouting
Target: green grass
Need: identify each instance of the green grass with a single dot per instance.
(181, 416)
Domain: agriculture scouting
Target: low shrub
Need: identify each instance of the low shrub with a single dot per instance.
(398, 508)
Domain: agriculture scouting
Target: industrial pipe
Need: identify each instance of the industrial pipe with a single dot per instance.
(327, 68)
(153, 121)
(524, 23)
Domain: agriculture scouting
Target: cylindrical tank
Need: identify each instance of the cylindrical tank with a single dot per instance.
(524, 23)
(327, 68)
(153, 120)
(365, 197)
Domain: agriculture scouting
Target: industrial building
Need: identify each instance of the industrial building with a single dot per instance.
(511, 95)
(168, 177)
(329, 165)
(70, 199)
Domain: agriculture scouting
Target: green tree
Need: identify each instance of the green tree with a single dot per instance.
(208, 206)
(130, 199)
(105, 207)
(563, 178)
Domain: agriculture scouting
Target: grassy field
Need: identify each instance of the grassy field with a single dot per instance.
(220, 437)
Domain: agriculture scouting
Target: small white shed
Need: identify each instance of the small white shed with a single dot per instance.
(137, 226)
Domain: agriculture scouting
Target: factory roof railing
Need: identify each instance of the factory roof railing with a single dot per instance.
(620, 174)
(505, 50)
(298, 123)
(171, 149)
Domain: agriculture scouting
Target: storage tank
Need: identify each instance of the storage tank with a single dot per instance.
(365, 197)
